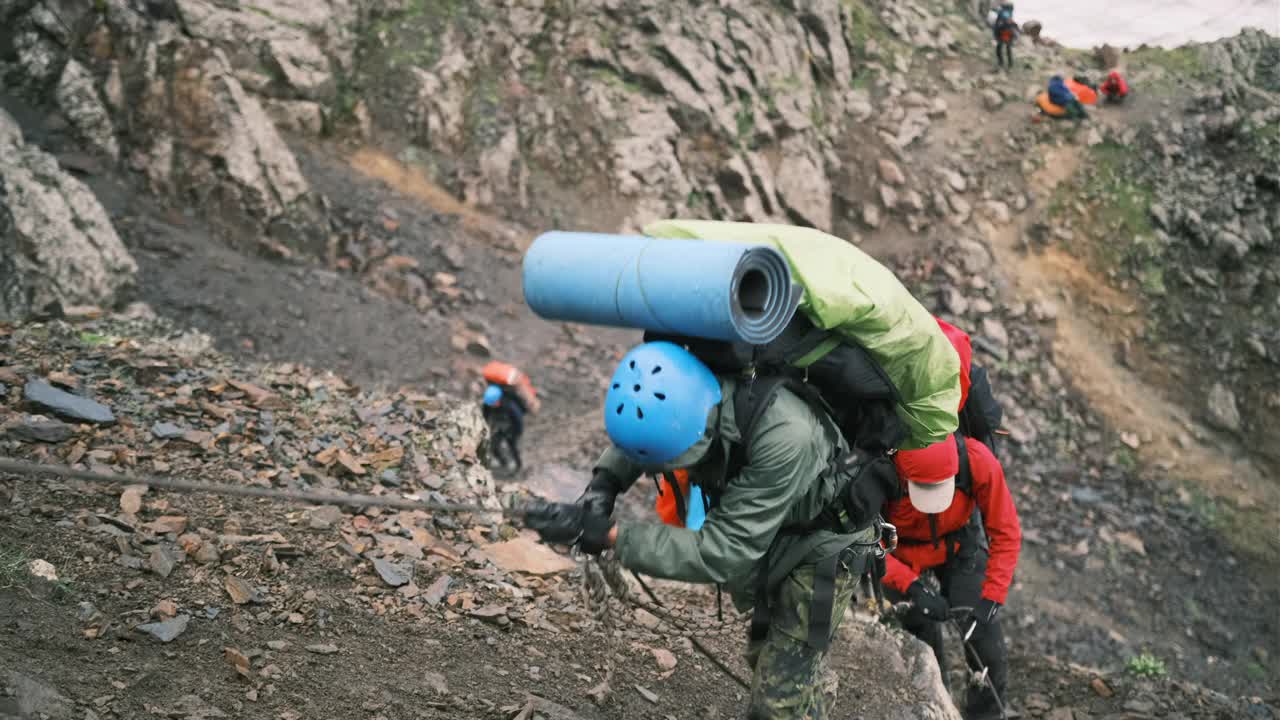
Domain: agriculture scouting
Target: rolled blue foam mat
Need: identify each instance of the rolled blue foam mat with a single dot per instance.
(718, 290)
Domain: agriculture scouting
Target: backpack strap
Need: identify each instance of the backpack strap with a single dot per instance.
(750, 400)
(682, 510)
(964, 478)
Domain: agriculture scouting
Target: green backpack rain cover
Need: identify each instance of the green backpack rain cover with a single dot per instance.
(849, 293)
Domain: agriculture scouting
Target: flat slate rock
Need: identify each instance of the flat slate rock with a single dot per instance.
(526, 555)
(168, 630)
(65, 405)
(39, 429)
(167, 431)
(393, 574)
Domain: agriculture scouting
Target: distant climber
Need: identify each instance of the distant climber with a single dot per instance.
(1082, 80)
(504, 415)
(1061, 96)
(779, 538)
(973, 560)
(1006, 31)
(1115, 89)
(508, 397)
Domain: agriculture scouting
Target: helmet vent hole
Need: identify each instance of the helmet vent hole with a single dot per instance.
(616, 386)
(636, 387)
(656, 369)
(619, 410)
(632, 364)
(639, 413)
(660, 396)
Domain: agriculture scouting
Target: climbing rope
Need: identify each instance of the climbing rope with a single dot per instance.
(18, 467)
(610, 600)
(678, 617)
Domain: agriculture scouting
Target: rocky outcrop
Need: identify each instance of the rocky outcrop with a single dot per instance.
(1244, 62)
(57, 245)
(723, 111)
(284, 49)
(162, 92)
(80, 101)
(211, 138)
(898, 677)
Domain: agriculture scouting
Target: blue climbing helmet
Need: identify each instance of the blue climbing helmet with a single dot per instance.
(658, 401)
(492, 395)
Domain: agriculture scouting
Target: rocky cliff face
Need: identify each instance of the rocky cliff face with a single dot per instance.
(734, 109)
(147, 85)
(601, 113)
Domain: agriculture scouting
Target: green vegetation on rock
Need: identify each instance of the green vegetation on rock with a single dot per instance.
(1146, 665)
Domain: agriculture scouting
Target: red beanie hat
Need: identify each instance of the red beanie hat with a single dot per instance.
(930, 473)
(940, 461)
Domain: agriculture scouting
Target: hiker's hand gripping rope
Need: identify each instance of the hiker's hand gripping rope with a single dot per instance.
(570, 524)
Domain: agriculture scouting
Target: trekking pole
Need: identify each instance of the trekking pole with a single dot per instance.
(961, 612)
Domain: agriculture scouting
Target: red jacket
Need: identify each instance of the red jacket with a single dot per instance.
(1115, 86)
(916, 552)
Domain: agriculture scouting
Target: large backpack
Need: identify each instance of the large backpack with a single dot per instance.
(843, 383)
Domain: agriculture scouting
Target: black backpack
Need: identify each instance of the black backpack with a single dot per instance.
(845, 383)
(980, 418)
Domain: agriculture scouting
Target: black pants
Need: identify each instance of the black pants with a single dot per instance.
(961, 579)
(511, 442)
(1004, 52)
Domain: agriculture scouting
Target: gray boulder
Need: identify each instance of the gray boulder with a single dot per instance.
(57, 244)
(897, 676)
(1224, 414)
(83, 106)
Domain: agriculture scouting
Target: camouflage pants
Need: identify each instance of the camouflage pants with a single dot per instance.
(788, 675)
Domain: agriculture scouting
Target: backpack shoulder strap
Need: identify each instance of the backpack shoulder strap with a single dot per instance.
(964, 478)
(750, 400)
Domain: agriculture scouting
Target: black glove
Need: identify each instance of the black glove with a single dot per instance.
(557, 523)
(986, 611)
(595, 533)
(929, 603)
(601, 494)
(569, 524)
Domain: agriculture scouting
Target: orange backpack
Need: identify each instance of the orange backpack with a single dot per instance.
(506, 375)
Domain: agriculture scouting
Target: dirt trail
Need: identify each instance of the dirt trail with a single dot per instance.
(412, 182)
(1167, 437)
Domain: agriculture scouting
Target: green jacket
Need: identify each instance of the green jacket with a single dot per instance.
(784, 485)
